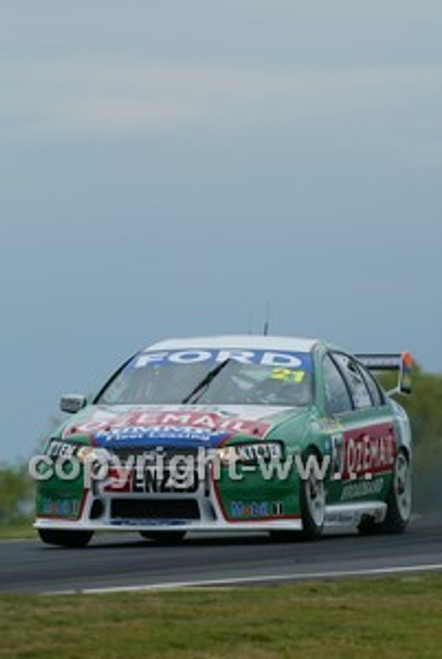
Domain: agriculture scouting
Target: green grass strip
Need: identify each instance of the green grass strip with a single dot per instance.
(395, 617)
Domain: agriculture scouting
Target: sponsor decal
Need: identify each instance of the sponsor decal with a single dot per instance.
(59, 508)
(136, 434)
(362, 453)
(337, 454)
(341, 517)
(254, 509)
(58, 449)
(139, 425)
(368, 454)
(362, 489)
(258, 357)
(288, 375)
(251, 453)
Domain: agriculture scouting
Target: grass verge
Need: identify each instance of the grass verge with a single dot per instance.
(397, 617)
(17, 531)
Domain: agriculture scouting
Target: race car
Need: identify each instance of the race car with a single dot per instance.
(244, 433)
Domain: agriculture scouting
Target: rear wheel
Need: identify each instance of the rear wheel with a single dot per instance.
(164, 537)
(65, 538)
(398, 501)
(312, 503)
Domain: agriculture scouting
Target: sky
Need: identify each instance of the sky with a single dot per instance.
(169, 169)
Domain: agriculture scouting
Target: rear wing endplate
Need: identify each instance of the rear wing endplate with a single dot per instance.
(401, 362)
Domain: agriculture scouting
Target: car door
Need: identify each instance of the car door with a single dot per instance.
(363, 442)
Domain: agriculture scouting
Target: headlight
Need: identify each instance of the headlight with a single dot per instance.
(92, 454)
(227, 454)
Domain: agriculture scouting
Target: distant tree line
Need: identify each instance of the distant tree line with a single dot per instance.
(16, 495)
(424, 408)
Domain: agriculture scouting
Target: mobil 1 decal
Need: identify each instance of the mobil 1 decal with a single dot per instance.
(363, 452)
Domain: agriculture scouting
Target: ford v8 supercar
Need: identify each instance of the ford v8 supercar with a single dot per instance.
(250, 433)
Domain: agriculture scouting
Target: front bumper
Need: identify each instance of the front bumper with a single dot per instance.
(207, 509)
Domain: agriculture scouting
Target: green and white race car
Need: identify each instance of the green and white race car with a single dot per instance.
(286, 435)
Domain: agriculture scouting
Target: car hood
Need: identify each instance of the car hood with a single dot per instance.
(120, 426)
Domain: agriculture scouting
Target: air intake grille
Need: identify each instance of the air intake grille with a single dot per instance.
(142, 509)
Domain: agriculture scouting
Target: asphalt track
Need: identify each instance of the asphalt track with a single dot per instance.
(120, 561)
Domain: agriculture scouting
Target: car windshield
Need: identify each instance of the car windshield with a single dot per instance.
(217, 377)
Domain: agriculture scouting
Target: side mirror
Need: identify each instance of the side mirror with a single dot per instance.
(72, 403)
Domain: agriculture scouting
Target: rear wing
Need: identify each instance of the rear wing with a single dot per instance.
(401, 362)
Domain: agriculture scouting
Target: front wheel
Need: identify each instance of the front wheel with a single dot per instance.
(65, 538)
(398, 501)
(311, 500)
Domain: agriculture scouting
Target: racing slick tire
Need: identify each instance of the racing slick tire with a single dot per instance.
(398, 502)
(312, 503)
(65, 538)
(164, 537)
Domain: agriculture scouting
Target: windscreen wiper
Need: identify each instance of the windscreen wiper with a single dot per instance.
(204, 383)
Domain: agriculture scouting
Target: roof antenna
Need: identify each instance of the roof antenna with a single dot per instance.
(267, 320)
(250, 322)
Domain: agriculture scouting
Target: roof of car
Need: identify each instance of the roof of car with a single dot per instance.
(238, 341)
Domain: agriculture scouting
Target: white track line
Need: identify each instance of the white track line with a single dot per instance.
(250, 580)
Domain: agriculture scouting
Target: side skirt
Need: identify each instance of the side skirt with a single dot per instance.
(350, 514)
